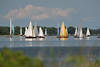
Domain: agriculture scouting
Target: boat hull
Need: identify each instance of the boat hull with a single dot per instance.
(78, 37)
(98, 36)
(30, 37)
(40, 36)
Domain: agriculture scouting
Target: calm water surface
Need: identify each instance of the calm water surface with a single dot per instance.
(49, 41)
(53, 49)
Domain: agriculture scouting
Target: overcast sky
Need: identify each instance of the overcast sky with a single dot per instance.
(51, 12)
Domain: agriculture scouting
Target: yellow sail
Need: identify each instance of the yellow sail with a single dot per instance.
(63, 32)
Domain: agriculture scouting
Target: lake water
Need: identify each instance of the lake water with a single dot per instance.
(51, 48)
(49, 41)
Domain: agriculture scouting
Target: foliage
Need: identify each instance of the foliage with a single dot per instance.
(8, 58)
(81, 61)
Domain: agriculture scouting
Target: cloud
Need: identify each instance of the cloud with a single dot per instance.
(88, 19)
(39, 13)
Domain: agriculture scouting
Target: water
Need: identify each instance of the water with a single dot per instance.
(50, 41)
(53, 49)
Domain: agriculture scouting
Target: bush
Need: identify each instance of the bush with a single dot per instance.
(8, 58)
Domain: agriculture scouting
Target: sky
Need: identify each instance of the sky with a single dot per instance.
(50, 13)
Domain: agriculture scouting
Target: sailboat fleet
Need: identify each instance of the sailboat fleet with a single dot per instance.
(33, 32)
(79, 33)
(63, 33)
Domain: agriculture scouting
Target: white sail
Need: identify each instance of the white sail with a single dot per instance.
(35, 30)
(30, 29)
(88, 32)
(20, 30)
(76, 32)
(34, 35)
(81, 33)
(10, 26)
(45, 32)
(30, 32)
(40, 32)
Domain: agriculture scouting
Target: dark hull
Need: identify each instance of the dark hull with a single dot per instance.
(98, 37)
(87, 36)
(76, 36)
(30, 37)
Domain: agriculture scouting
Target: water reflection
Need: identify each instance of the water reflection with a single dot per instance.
(87, 38)
(21, 38)
(80, 38)
(10, 39)
(49, 41)
(41, 39)
(63, 38)
(11, 42)
(30, 39)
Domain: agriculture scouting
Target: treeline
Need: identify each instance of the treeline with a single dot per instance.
(52, 31)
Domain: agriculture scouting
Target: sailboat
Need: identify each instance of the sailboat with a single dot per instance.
(29, 33)
(20, 31)
(76, 33)
(11, 28)
(62, 32)
(87, 32)
(81, 33)
(41, 35)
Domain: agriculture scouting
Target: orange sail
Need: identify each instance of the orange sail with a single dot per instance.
(63, 32)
